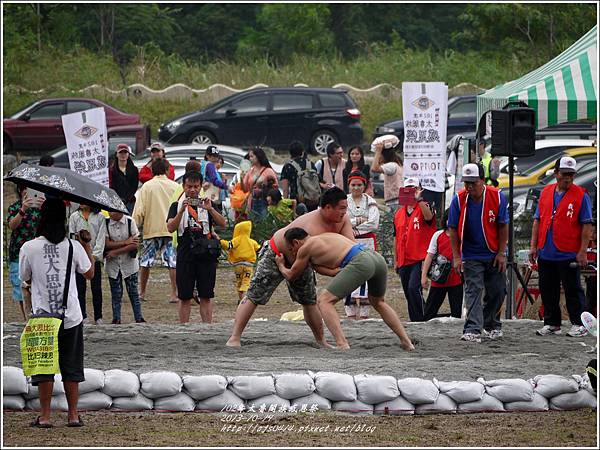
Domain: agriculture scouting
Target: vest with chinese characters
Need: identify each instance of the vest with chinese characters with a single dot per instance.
(413, 235)
(564, 220)
(489, 216)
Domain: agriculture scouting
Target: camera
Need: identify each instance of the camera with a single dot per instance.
(194, 201)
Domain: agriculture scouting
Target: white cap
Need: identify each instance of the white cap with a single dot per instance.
(411, 182)
(472, 172)
(566, 164)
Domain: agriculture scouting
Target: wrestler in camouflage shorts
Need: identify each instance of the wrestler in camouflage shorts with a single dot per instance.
(267, 277)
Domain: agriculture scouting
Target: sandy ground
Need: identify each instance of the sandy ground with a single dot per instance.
(271, 345)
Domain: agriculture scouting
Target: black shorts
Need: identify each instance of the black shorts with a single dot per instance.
(70, 356)
(201, 274)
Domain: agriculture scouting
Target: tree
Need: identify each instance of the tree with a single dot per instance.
(286, 29)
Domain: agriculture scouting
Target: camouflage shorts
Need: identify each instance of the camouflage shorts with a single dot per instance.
(267, 277)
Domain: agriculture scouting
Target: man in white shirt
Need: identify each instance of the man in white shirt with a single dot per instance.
(43, 265)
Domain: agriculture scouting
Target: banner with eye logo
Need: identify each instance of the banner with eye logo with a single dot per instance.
(425, 113)
(87, 143)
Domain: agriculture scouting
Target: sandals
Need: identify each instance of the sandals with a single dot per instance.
(79, 423)
(36, 424)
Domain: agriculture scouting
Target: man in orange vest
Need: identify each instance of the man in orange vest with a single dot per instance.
(478, 225)
(562, 228)
(414, 225)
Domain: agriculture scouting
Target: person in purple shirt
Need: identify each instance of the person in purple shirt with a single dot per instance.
(211, 176)
(562, 228)
(478, 226)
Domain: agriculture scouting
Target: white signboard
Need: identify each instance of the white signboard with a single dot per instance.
(87, 143)
(425, 111)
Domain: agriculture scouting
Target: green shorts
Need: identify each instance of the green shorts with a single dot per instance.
(267, 277)
(366, 265)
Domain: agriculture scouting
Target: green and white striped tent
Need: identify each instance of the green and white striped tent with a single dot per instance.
(562, 90)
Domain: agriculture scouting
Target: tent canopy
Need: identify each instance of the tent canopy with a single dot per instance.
(562, 90)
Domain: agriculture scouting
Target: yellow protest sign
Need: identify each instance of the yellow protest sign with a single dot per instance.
(39, 346)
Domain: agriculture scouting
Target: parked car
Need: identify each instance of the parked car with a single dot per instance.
(136, 136)
(533, 174)
(272, 117)
(570, 130)
(174, 153)
(39, 126)
(462, 112)
(543, 149)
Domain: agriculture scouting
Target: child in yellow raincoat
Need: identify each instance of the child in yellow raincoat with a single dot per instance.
(242, 255)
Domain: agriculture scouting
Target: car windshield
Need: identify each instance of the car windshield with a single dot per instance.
(22, 111)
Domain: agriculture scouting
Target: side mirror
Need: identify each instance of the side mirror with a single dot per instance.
(231, 112)
(549, 172)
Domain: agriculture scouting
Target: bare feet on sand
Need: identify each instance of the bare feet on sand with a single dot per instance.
(324, 344)
(233, 342)
(408, 346)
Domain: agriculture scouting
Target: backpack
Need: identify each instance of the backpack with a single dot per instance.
(307, 183)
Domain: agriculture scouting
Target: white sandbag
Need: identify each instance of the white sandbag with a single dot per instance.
(136, 403)
(13, 402)
(355, 407)
(94, 381)
(539, 403)
(397, 407)
(311, 402)
(336, 387)
(93, 401)
(201, 387)
(57, 402)
(251, 386)
(32, 391)
(509, 390)
(486, 404)
(178, 402)
(575, 400)
(160, 384)
(227, 401)
(120, 383)
(462, 391)
(418, 391)
(552, 385)
(294, 385)
(271, 402)
(14, 381)
(376, 389)
(443, 404)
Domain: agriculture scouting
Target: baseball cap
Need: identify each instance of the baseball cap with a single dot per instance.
(123, 147)
(472, 172)
(411, 182)
(212, 150)
(156, 146)
(566, 164)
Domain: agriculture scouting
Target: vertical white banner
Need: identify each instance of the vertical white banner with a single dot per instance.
(425, 112)
(87, 143)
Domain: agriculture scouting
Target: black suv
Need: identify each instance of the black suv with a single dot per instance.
(462, 111)
(272, 117)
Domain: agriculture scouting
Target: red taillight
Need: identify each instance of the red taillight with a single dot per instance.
(354, 113)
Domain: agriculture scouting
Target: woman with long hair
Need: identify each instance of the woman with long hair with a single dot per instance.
(356, 161)
(364, 217)
(123, 176)
(258, 181)
(43, 266)
(386, 161)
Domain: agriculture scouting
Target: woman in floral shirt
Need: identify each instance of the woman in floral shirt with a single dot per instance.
(23, 219)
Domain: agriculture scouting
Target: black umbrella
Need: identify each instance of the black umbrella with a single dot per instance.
(67, 185)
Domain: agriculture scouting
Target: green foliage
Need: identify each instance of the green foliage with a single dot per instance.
(284, 30)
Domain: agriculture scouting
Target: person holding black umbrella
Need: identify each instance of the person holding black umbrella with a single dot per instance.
(43, 264)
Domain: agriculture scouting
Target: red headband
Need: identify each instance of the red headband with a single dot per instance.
(357, 177)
